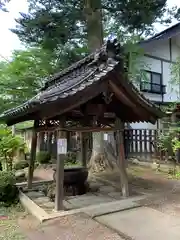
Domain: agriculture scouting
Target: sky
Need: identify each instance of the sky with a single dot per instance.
(10, 42)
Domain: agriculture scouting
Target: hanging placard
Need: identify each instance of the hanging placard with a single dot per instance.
(62, 146)
(105, 136)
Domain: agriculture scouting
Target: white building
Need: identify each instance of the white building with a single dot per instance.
(161, 51)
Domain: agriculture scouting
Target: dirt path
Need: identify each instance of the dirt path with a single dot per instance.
(163, 194)
(75, 227)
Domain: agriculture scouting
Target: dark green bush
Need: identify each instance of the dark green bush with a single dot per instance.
(8, 190)
(21, 165)
(43, 157)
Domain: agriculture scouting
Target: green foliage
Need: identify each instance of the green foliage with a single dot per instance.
(165, 140)
(51, 24)
(136, 64)
(25, 74)
(58, 33)
(20, 165)
(168, 140)
(8, 190)
(9, 145)
(21, 78)
(43, 157)
(71, 158)
(177, 175)
(175, 77)
(175, 144)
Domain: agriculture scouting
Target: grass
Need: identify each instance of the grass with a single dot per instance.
(9, 229)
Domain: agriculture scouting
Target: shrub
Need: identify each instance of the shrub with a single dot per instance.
(8, 190)
(166, 141)
(71, 158)
(43, 157)
(9, 146)
(21, 165)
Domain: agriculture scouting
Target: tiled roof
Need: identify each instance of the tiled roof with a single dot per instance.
(78, 77)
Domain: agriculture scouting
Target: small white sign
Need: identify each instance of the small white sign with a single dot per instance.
(62, 146)
(105, 136)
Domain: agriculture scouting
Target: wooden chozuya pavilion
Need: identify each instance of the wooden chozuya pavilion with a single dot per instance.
(95, 94)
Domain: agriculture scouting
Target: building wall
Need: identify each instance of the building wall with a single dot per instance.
(159, 48)
(159, 57)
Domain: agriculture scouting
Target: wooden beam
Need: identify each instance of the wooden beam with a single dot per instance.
(68, 136)
(84, 149)
(49, 142)
(127, 101)
(32, 157)
(60, 171)
(121, 158)
(120, 94)
(77, 129)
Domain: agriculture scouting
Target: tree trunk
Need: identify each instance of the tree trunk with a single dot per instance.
(103, 157)
(97, 157)
(98, 144)
(93, 15)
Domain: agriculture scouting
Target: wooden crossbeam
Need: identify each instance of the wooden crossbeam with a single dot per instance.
(78, 129)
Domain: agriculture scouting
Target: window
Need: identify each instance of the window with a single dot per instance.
(153, 83)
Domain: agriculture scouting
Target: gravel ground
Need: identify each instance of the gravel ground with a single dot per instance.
(75, 227)
(163, 193)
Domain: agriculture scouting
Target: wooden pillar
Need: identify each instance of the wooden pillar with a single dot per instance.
(32, 157)
(40, 141)
(84, 148)
(54, 151)
(68, 135)
(121, 157)
(49, 142)
(61, 153)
